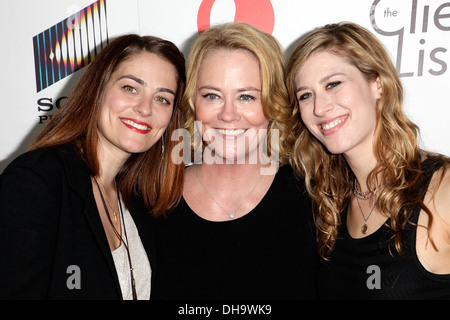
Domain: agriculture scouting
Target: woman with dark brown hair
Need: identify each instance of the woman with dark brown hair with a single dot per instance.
(76, 210)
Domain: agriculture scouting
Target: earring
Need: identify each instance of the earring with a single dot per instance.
(162, 145)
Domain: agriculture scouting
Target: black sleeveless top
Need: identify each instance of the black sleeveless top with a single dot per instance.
(269, 253)
(365, 269)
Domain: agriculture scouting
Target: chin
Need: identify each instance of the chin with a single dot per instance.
(136, 148)
(336, 149)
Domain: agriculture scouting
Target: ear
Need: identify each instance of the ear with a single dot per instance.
(378, 89)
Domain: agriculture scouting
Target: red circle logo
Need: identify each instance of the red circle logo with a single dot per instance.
(258, 13)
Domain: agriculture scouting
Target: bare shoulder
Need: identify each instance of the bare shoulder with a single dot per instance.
(436, 257)
(440, 185)
(438, 199)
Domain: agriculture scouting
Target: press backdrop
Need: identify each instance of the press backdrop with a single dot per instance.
(46, 44)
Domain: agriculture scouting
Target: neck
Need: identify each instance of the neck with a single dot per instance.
(110, 165)
(232, 172)
(361, 166)
(230, 179)
(233, 190)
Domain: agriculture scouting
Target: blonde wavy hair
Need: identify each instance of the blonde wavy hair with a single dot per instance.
(329, 179)
(274, 96)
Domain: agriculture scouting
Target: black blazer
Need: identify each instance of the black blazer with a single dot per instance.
(51, 231)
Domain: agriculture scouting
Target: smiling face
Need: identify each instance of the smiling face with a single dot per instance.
(137, 104)
(228, 103)
(337, 103)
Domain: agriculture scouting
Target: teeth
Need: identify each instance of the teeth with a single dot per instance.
(331, 124)
(134, 124)
(232, 132)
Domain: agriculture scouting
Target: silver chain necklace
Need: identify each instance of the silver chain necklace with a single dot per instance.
(231, 215)
(366, 195)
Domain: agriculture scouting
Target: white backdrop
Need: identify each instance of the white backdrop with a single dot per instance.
(416, 33)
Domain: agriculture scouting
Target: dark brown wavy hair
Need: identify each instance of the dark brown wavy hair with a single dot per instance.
(151, 174)
(329, 179)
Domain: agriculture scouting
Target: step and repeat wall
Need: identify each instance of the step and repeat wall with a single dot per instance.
(47, 44)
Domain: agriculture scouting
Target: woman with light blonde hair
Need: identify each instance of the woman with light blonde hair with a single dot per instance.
(378, 199)
(242, 230)
(273, 95)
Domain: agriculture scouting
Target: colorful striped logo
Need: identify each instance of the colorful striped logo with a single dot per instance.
(70, 44)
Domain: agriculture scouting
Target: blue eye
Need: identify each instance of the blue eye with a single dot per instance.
(210, 96)
(333, 84)
(247, 97)
(304, 96)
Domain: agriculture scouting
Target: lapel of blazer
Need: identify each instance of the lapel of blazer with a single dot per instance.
(80, 183)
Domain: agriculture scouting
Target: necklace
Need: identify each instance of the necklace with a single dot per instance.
(232, 214)
(133, 282)
(364, 228)
(107, 201)
(366, 195)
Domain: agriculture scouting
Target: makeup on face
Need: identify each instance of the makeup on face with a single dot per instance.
(228, 102)
(138, 103)
(336, 101)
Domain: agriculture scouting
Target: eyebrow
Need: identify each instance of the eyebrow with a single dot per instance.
(324, 79)
(239, 90)
(248, 89)
(138, 80)
(165, 90)
(143, 83)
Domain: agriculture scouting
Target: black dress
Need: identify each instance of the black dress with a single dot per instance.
(270, 253)
(365, 269)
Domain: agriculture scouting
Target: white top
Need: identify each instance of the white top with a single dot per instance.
(141, 266)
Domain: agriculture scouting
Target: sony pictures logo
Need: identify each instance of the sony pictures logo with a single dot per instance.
(70, 44)
(65, 48)
(419, 30)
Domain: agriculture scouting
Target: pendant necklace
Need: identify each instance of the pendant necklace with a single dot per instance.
(231, 215)
(364, 228)
(107, 201)
(366, 195)
(126, 244)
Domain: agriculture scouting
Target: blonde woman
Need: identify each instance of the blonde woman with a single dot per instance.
(381, 204)
(242, 229)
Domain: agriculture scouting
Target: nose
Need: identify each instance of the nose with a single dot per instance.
(144, 108)
(229, 111)
(322, 105)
